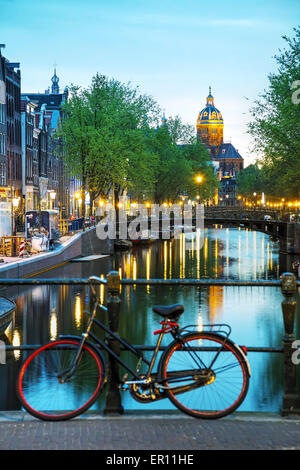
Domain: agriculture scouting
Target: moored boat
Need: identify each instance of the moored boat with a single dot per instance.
(7, 310)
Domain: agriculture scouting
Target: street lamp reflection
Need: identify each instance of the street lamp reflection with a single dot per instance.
(16, 341)
(53, 325)
(78, 311)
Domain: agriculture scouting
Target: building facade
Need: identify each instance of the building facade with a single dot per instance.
(3, 133)
(29, 190)
(210, 125)
(13, 126)
(33, 173)
(11, 202)
(226, 158)
(53, 179)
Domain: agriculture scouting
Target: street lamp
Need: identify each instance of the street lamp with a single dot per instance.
(16, 202)
(199, 180)
(15, 205)
(77, 198)
(52, 197)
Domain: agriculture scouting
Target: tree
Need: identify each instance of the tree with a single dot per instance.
(112, 142)
(276, 122)
(201, 165)
(178, 158)
(250, 180)
(73, 137)
(102, 135)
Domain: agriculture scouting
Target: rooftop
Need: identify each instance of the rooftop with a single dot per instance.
(227, 150)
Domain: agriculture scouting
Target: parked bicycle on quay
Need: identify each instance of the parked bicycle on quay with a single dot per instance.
(203, 373)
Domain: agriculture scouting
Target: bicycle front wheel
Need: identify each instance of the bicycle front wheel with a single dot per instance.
(43, 394)
(205, 378)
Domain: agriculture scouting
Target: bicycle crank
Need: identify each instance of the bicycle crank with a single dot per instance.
(145, 392)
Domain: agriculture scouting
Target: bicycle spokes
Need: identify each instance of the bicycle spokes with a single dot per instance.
(205, 377)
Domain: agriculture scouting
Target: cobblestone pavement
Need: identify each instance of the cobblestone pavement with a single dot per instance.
(151, 432)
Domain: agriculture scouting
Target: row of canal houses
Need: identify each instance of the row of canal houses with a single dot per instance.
(32, 171)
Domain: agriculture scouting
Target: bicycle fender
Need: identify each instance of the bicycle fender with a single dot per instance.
(244, 357)
(92, 346)
(243, 354)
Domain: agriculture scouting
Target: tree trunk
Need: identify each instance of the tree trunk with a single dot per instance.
(116, 202)
(83, 189)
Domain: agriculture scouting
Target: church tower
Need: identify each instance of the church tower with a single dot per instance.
(210, 125)
(55, 86)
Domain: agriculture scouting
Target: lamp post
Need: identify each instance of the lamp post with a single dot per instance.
(199, 180)
(16, 201)
(52, 197)
(148, 207)
(255, 200)
(77, 197)
(15, 205)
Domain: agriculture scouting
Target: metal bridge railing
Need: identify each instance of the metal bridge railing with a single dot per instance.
(288, 284)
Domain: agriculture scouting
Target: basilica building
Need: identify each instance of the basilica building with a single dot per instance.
(225, 157)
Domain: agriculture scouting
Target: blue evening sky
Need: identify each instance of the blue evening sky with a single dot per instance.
(173, 50)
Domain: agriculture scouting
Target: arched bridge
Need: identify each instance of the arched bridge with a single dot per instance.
(267, 221)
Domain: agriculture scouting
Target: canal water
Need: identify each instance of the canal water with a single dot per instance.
(254, 313)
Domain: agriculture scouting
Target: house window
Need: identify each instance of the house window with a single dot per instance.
(2, 174)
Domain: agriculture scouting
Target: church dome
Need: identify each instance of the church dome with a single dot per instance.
(210, 112)
(210, 124)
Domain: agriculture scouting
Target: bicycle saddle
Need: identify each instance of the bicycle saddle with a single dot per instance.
(172, 312)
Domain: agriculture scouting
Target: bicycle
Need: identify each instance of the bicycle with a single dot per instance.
(204, 373)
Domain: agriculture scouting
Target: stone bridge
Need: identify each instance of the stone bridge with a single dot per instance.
(268, 221)
(288, 233)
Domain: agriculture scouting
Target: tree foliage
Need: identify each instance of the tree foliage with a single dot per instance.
(113, 140)
(177, 158)
(276, 122)
(250, 180)
(101, 132)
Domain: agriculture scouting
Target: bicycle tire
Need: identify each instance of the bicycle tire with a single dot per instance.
(226, 384)
(40, 391)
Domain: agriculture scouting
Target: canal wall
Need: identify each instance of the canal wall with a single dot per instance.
(297, 238)
(290, 242)
(81, 244)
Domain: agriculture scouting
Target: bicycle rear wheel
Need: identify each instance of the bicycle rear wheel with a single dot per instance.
(199, 385)
(41, 392)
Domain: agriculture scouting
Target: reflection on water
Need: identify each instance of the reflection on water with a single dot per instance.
(224, 254)
(16, 341)
(44, 312)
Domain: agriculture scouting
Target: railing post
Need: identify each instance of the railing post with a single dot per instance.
(113, 403)
(290, 400)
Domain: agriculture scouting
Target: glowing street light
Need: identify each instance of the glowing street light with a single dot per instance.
(199, 180)
(16, 201)
(52, 197)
